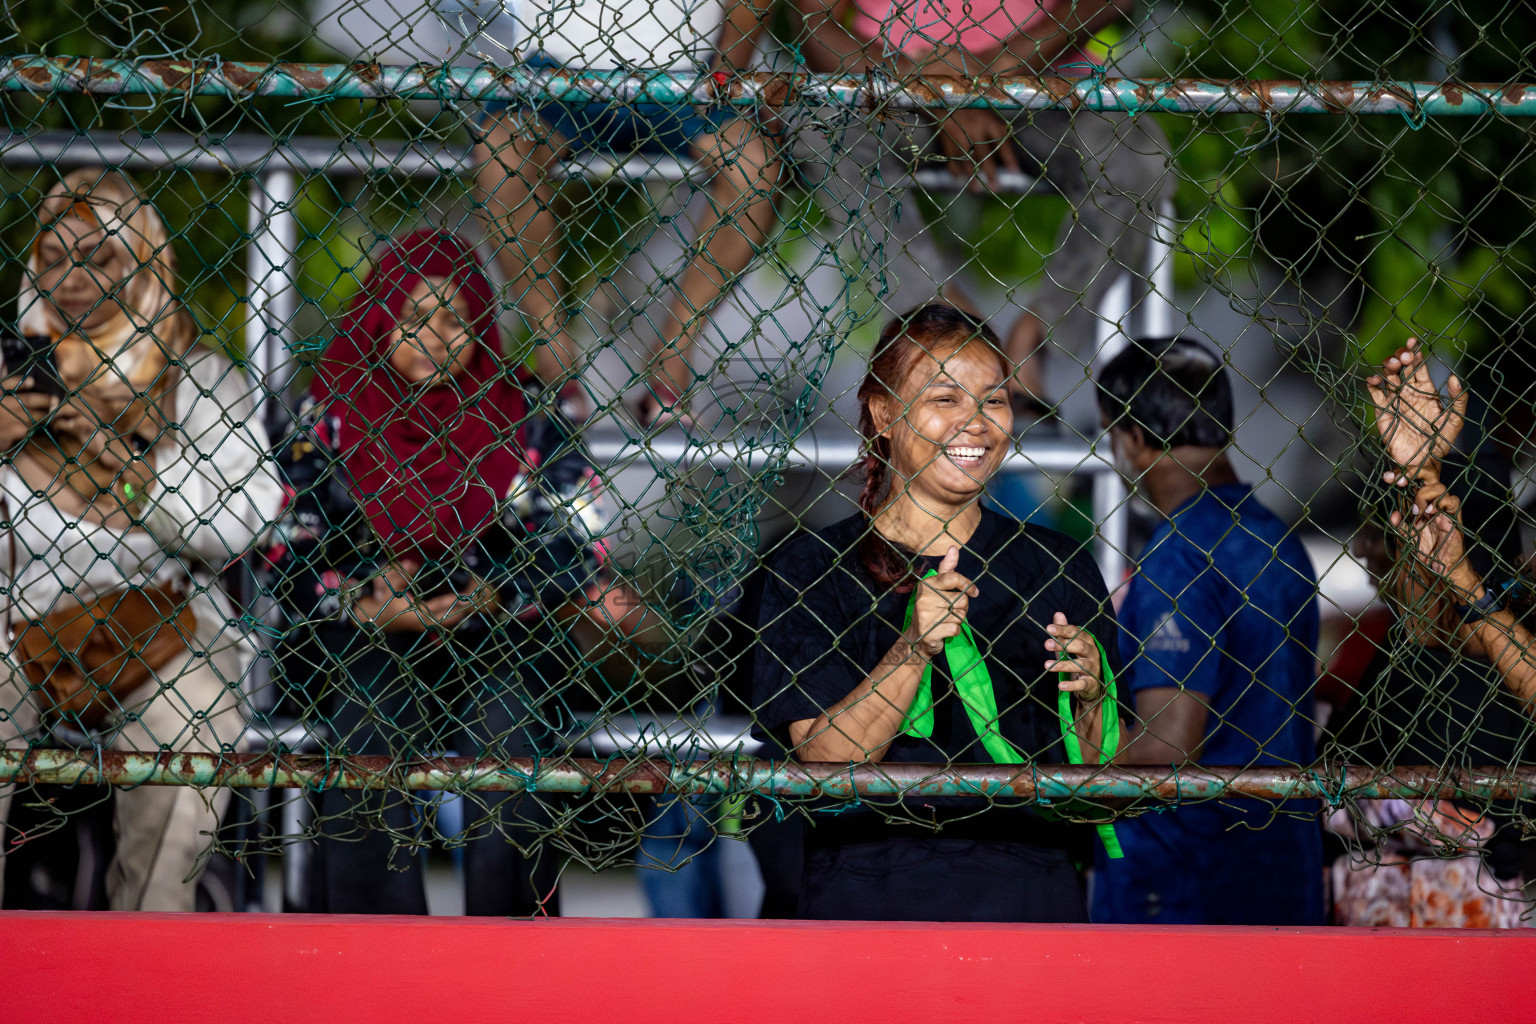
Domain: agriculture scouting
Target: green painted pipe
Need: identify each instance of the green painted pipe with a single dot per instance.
(1031, 784)
(517, 83)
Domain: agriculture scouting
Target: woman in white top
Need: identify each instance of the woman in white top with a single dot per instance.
(126, 497)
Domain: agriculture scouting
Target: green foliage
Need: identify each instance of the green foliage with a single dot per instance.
(1430, 224)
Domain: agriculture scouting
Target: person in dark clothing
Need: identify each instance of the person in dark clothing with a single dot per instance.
(432, 647)
(929, 629)
(1220, 633)
(1486, 610)
(1432, 695)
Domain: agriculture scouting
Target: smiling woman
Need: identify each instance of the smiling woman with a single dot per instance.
(929, 629)
(132, 475)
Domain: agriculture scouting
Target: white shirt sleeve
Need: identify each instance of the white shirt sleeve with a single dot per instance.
(217, 491)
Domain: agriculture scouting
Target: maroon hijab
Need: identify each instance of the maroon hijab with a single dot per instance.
(429, 464)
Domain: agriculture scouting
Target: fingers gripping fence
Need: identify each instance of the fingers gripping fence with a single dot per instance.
(556, 433)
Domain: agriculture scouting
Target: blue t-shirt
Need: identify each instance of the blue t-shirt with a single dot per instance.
(1224, 604)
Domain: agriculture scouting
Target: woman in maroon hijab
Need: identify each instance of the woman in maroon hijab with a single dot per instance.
(428, 419)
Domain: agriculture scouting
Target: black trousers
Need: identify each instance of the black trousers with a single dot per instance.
(477, 692)
(935, 879)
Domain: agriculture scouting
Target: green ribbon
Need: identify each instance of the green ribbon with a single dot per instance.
(973, 685)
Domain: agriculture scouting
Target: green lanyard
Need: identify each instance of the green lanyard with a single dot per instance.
(973, 685)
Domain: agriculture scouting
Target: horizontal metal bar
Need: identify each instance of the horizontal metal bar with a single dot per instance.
(338, 158)
(835, 454)
(518, 83)
(1027, 783)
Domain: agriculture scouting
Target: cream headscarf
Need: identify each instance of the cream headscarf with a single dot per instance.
(149, 328)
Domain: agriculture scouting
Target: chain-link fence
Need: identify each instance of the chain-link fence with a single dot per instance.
(555, 432)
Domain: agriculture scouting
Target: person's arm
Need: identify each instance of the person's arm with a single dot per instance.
(1180, 603)
(861, 726)
(1510, 646)
(22, 410)
(1030, 49)
(1069, 26)
(387, 602)
(976, 142)
(1170, 727)
(744, 24)
(218, 492)
(1432, 529)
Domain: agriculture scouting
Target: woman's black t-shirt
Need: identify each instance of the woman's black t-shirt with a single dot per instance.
(824, 624)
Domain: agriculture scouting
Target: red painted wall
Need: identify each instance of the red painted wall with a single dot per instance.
(251, 967)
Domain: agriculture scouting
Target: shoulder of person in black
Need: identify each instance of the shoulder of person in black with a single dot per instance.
(824, 624)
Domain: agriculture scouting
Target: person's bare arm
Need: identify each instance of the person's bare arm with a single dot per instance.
(1170, 728)
(1510, 647)
(1432, 530)
(861, 726)
(21, 411)
(743, 27)
(976, 142)
(389, 603)
(1030, 50)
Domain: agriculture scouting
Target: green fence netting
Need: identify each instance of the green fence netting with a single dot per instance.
(437, 425)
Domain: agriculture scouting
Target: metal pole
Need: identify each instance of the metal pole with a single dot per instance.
(271, 259)
(1158, 310)
(1111, 511)
(32, 73)
(837, 453)
(1023, 782)
(340, 158)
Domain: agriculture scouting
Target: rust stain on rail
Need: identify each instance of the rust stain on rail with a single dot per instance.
(1105, 785)
(29, 72)
(241, 77)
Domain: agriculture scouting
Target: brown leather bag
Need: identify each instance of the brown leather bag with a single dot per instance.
(84, 659)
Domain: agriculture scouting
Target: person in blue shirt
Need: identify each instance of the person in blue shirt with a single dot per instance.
(1220, 629)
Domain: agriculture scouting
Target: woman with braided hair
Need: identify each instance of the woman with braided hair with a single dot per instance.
(927, 628)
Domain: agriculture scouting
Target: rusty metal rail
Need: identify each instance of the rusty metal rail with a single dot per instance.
(365, 80)
(1026, 783)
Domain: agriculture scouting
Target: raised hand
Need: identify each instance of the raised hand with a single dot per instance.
(1077, 655)
(977, 143)
(1431, 529)
(1416, 424)
(941, 606)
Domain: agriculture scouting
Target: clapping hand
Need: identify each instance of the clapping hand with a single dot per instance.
(1416, 424)
(1077, 655)
(1432, 530)
(939, 611)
